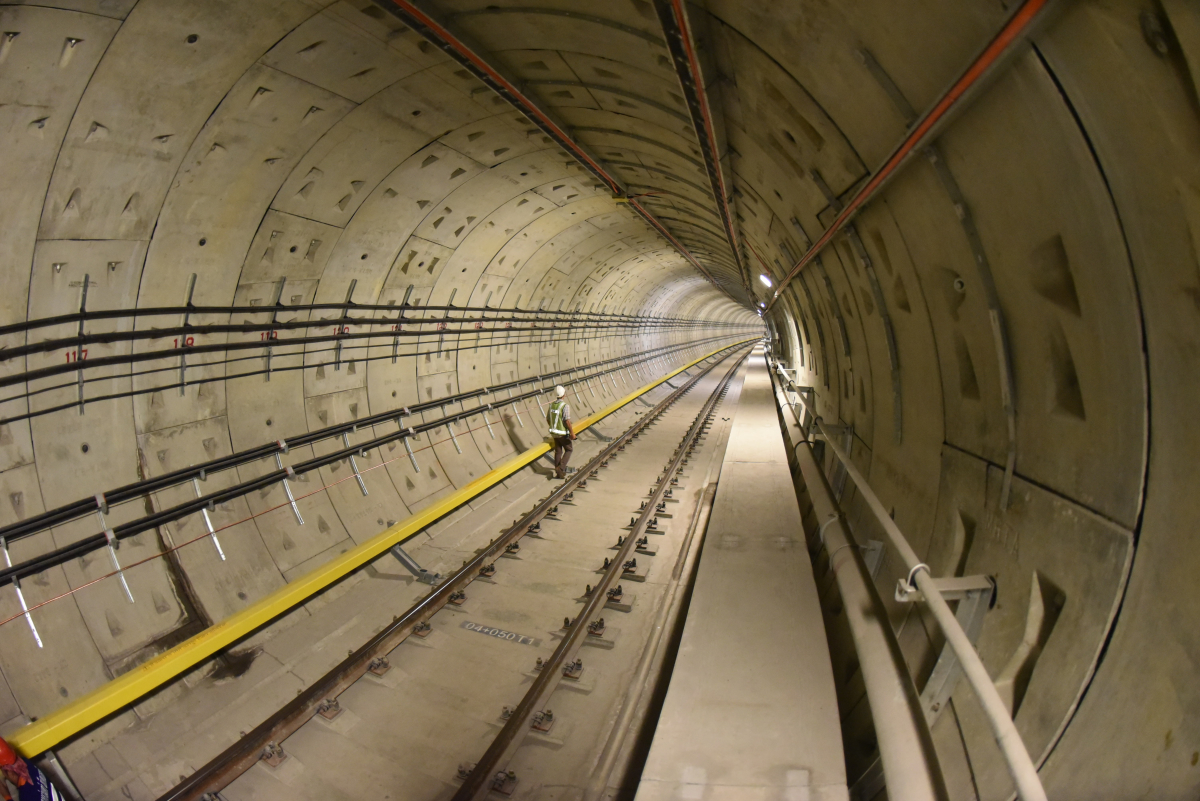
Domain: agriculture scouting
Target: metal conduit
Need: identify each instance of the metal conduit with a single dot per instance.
(906, 749)
(190, 309)
(998, 52)
(1016, 756)
(290, 346)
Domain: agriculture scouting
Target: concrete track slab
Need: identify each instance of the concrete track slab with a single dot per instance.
(751, 711)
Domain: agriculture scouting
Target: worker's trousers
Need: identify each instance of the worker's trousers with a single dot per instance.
(562, 453)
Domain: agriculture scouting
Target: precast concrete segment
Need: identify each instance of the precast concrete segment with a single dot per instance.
(408, 427)
(496, 762)
(751, 708)
(234, 760)
(74, 717)
(999, 51)
(472, 58)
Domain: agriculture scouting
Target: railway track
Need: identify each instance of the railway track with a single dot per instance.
(503, 573)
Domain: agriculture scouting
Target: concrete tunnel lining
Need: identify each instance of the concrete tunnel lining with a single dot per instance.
(326, 143)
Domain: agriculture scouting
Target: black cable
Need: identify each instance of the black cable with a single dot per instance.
(137, 489)
(162, 517)
(175, 354)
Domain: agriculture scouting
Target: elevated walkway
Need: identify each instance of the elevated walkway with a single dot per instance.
(751, 711)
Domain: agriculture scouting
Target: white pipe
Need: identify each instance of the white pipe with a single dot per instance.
(1016, 756)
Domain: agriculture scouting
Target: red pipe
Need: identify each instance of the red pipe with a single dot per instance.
(706, 114)
(1008, 36)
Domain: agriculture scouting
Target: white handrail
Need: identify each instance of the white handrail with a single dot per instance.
(906, 751)
(1020, 765)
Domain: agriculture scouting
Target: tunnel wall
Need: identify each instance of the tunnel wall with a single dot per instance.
(1047, 253)
(1070, 186)
(249, 144)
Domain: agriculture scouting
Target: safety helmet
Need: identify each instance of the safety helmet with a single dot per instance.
(7, 755)
(559, 391)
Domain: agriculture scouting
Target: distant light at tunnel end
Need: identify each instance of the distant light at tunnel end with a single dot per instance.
(765, 280)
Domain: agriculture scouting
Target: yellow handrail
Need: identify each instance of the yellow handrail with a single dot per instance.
(81, 713)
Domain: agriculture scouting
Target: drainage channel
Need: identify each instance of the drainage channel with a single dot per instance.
(320, 698)
(531, 715)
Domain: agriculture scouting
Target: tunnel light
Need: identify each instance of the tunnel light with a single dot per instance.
(765, 280)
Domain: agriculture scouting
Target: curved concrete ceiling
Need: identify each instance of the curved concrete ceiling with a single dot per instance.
(1009, 328)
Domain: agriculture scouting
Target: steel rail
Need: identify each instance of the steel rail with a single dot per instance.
(95, 706)
(242, 755)
(452, 44)
(673, 18)
(132, 528)
(479, 783)
(1004, 730)
(1017, 29)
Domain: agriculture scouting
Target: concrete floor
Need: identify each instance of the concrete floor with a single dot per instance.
(189, 722)
(403, 735)
(751, 712)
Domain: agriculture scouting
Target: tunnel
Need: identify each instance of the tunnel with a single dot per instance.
(289, 286)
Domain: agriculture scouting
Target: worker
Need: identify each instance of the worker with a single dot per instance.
(31, 783)
(559, 420)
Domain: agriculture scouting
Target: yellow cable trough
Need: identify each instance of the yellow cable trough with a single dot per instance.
(78, 715)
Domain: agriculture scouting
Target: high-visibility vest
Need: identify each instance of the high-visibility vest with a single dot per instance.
(555, 417)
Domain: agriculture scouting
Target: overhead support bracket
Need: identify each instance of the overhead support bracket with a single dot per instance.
(410, 564)
(975, 596)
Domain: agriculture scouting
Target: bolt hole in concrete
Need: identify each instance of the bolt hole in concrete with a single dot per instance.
(203, 242)
(292, 249)
(85, 448)
(364, 256)
(193, 38)
(417, 113)
(268, 421)
(960, 285)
